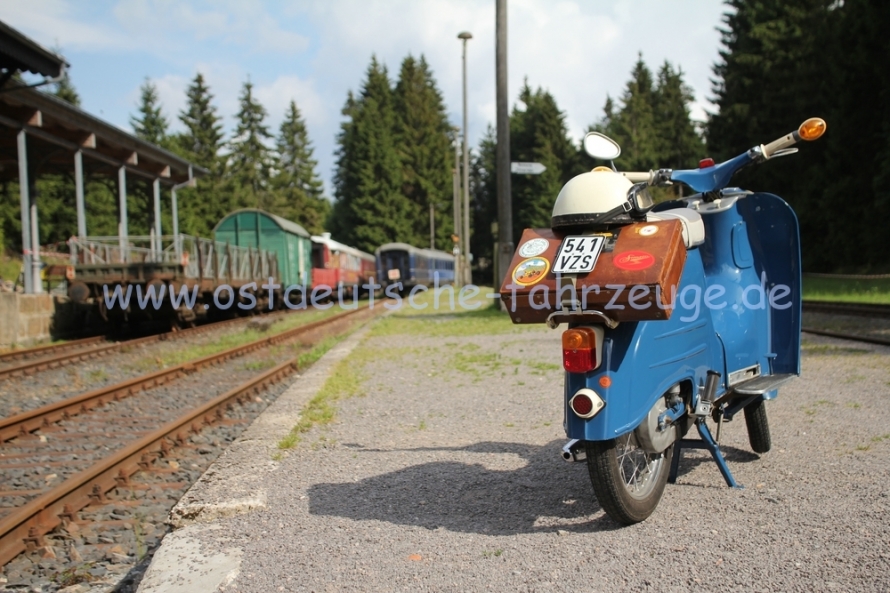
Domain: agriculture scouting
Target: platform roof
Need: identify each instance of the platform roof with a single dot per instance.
(18, 52)
(60, 129)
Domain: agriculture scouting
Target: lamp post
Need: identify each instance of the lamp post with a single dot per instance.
(192, 182)
(467, 279)
(455, 177)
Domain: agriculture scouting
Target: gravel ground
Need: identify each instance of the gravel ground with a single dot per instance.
(20, 394)
(445, 475)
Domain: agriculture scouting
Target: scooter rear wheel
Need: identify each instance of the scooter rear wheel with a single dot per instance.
(628, 482)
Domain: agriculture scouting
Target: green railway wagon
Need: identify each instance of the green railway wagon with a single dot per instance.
(255, 228)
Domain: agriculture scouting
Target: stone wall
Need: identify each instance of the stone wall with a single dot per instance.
(25, 318)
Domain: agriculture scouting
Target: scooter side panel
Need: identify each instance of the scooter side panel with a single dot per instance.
(642, 360)
(775, 241)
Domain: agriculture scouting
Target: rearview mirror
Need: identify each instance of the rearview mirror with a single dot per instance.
(600, 146)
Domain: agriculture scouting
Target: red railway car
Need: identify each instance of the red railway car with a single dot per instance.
(335, 264)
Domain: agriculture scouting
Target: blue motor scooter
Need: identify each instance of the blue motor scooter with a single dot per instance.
(633, 389)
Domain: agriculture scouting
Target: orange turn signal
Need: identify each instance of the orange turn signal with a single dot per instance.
(812, 129)
(578, 338)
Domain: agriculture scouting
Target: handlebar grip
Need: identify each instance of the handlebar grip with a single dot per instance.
(773, 147)
(638, 177)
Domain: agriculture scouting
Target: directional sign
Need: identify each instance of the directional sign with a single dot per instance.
(527, 168)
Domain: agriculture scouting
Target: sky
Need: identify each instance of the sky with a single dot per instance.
(315, 51)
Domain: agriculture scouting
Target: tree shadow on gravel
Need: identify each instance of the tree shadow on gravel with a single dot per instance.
(545, 495)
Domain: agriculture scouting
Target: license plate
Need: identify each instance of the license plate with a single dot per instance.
(393, 274)
(578, 255)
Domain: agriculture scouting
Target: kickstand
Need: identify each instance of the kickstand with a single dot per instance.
(707, 442)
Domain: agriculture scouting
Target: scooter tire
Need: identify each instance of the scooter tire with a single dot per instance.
(610, 489)
(758, 427)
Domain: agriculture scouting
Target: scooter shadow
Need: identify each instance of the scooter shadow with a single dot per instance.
(545, 495)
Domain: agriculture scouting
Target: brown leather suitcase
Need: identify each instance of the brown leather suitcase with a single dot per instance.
(635, 277)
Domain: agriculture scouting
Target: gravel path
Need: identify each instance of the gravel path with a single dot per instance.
(445, 475)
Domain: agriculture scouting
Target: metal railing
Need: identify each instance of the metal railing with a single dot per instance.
(199, 258)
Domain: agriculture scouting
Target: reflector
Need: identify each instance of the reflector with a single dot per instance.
(582, 405)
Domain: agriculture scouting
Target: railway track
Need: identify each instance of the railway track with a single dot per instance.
(56, 355)
(873, 311)
(96, 442)
(838, 308)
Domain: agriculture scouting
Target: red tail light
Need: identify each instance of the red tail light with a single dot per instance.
(579, 350)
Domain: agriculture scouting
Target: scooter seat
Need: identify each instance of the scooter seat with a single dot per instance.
(693, 227)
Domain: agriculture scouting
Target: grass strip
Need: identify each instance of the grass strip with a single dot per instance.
(873, 291)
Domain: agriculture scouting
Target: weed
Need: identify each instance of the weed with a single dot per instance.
(544, 366)
(854, 405)
(74, 575)
(863, 447)
(422, 425)
(98, 375)
(139, 535)
(509, 424)
(490, 553)
(277, 456)
(259, 365)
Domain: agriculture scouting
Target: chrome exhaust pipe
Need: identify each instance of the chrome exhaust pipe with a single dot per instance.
(574, 451)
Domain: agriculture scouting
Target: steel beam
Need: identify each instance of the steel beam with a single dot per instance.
(122, 208)
(78, 190)
(24, 194)
(156, 186)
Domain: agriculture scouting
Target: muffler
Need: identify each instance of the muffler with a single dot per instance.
(574, 451)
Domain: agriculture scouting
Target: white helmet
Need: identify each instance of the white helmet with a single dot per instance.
(585, 197)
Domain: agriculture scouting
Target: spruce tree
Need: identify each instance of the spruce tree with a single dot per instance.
(539, 134)
(150, 124)
(64, 90)
(422, 132)
(679, 145)
(201, 143)
(634, 125)
(370, 208)
(484, 203)
(250, 159)
(203, 136)
(298, 187)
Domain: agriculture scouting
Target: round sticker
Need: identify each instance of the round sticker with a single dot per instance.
(533, 247)
(531, 271)
(633, 260)
(648, 230)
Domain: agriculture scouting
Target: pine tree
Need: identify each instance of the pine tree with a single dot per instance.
(250, 159)
(150, 124)
(680, 146)
(371, 209)
(773, 73)
(203, 138)
(201, 143)
(484, 202)
(298, 187)
(634, 125)
(422, 132)
(64, 90)
(539, 134)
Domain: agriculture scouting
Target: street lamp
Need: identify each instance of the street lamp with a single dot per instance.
(457, 217)
(192, 182)
(468, 279)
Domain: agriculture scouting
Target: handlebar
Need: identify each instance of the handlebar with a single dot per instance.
(639, 177)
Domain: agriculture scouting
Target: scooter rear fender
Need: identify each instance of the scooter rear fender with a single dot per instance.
(642, 360)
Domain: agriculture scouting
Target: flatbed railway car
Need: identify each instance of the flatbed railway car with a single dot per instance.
(412, 266)
(335, 264)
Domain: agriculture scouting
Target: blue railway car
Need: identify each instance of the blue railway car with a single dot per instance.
(411, 266)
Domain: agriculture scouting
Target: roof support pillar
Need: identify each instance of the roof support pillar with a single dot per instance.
(156, 186)
(78, 191)
(30, 240)
(122, 211)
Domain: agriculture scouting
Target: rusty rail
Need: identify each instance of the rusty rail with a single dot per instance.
(26, 422)
(25, 528)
